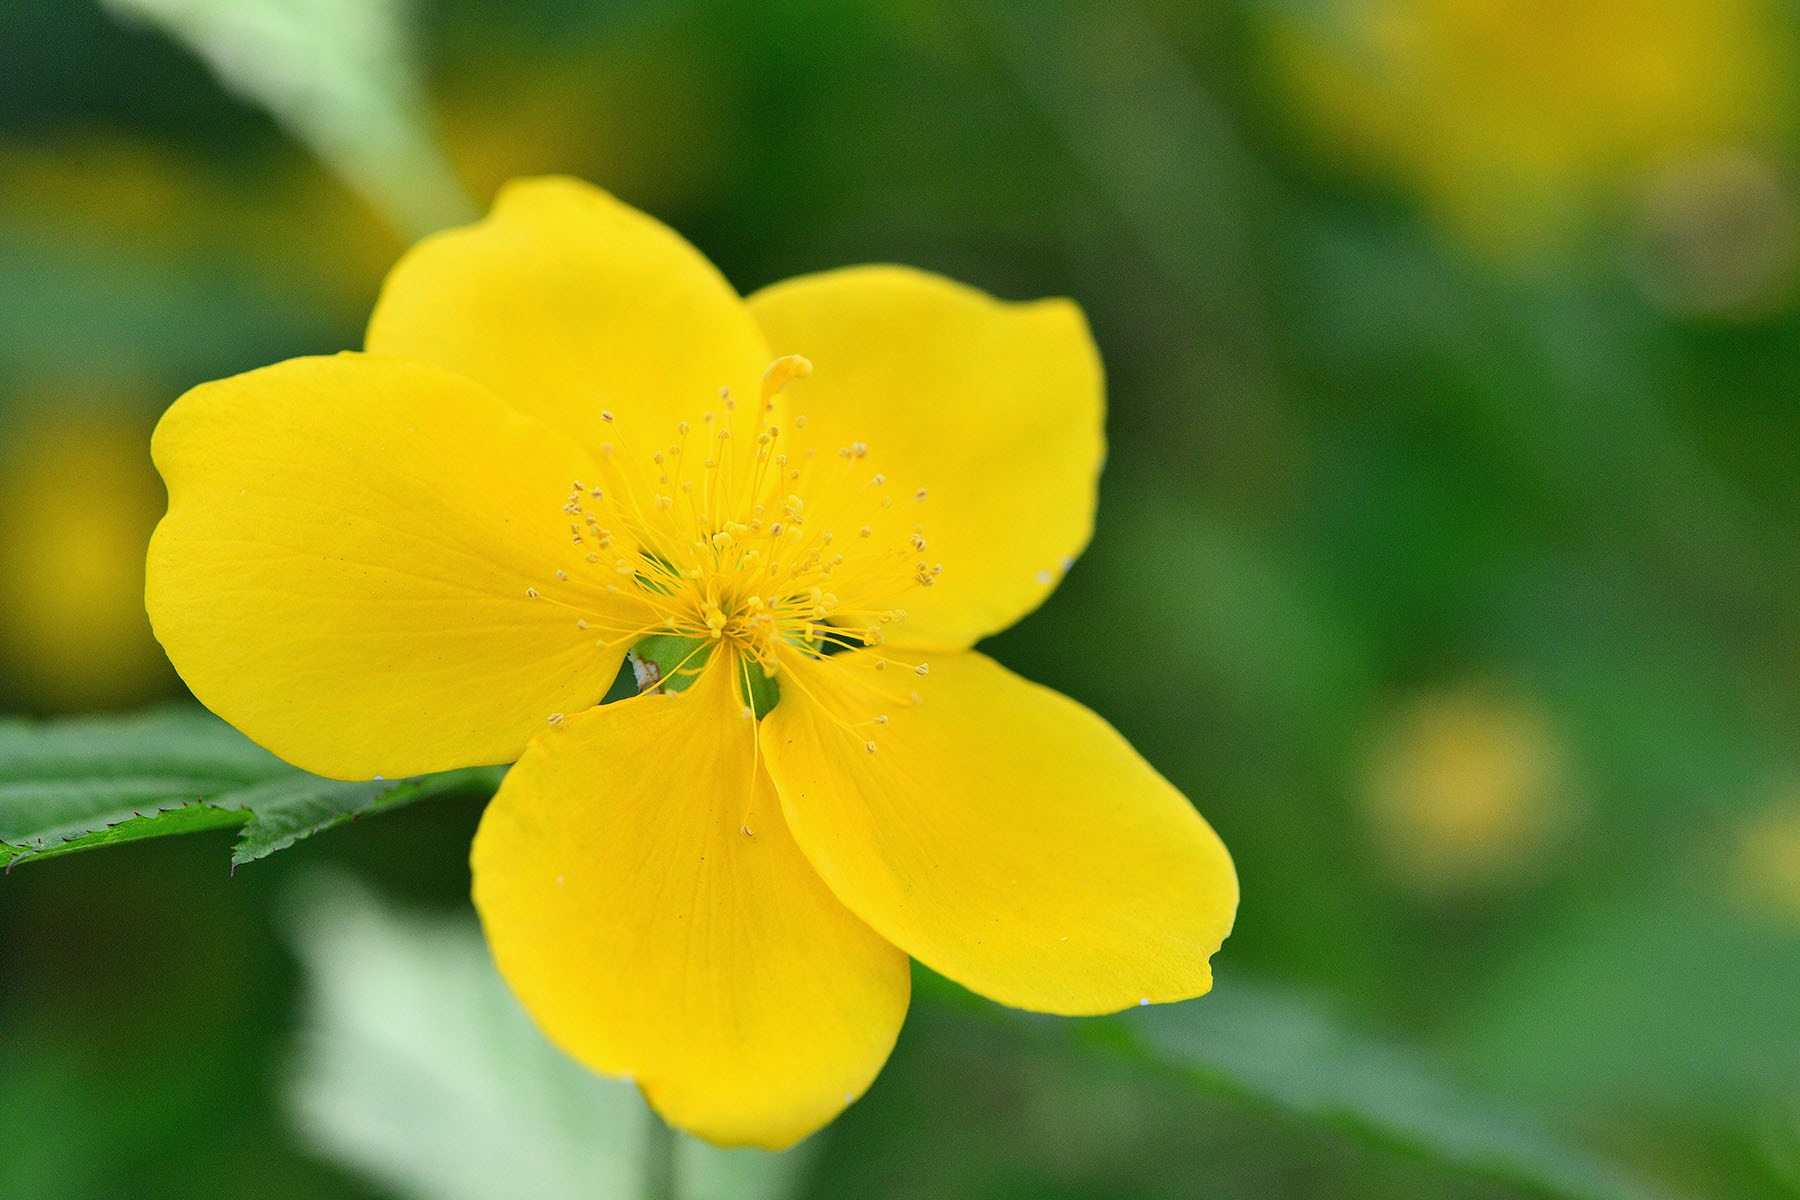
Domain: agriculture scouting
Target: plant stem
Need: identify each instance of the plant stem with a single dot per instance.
(659, 1159)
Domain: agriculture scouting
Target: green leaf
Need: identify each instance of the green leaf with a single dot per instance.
(1280, 1051)
(86, 782)
(418, 1071)
(283, 811)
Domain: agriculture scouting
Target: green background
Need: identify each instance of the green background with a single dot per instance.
(1363, 474)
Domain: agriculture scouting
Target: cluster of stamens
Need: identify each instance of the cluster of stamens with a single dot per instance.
(720, 536)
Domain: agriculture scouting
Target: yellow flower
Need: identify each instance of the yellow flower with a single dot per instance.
(1517, 120)
(71, 566)
(569, 433)
(1469, 788)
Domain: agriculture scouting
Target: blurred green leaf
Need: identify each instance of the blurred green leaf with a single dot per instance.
(1279, 1050)
(418, 1070)
(341, 75)
(1650, 998)
(85, 782)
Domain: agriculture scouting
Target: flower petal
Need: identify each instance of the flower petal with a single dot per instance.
(1000, 833)
(568, 302)
(650, 935)
(994, 408)
(343, 570)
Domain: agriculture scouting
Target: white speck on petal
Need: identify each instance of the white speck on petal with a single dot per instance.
(1144, 1003)
(1044, 577)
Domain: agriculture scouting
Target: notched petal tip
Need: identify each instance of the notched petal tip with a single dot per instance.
(344, 569)
(1004, 836)
(715, 968)
(992, 408)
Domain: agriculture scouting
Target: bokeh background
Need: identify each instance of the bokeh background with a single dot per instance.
(1447, 558)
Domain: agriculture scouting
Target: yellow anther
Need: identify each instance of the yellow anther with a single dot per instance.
(869, 746)
(788, 366)
(793, 505)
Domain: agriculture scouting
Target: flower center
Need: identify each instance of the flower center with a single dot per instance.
(738, 532)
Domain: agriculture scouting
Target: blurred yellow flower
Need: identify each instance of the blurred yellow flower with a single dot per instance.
(1514, 118)
(1467, 787)
(1768, 857)
(568, 434)
(77, 502)
(298, 229)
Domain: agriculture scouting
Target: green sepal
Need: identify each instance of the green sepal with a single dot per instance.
(669, 661)
(763, 692)
(674, 663)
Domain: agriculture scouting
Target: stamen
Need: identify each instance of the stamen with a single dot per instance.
(729, 548)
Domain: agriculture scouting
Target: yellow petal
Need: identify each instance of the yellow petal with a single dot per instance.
(994, 408)
(649, 934)
(1000, 833)
(569, 303)
(344, 569)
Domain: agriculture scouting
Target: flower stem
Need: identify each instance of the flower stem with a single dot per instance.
(659, 1160)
